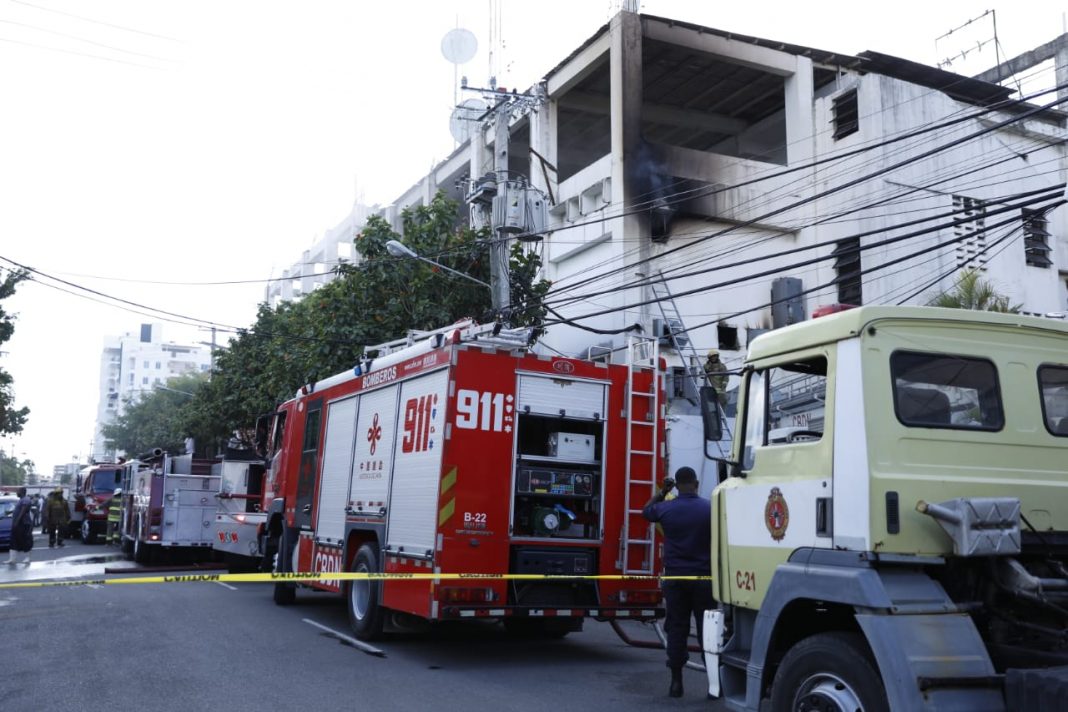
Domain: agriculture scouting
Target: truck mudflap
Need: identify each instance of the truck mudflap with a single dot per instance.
(933, 662)
(1045, 690)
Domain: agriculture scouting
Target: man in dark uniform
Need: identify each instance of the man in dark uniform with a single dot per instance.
(687, 525)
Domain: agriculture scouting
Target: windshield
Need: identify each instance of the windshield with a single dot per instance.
(7, 506)
(105, 481)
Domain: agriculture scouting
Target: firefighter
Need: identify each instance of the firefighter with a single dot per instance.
(57, 517)
(687, 526)
(114, 517)
(716, 371)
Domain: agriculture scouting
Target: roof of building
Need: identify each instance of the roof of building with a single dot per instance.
(957, 86)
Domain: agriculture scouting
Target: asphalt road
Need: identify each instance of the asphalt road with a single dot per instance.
(185, 646)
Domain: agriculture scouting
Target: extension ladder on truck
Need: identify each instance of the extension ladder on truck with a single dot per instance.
(637, 543)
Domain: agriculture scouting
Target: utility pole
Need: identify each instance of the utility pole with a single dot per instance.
(499, 284)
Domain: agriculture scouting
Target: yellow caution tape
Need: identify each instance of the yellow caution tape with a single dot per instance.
(345, 576)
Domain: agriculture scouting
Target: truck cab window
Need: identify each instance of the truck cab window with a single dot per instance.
(946, 391)
(785, 406)
(1053, 384)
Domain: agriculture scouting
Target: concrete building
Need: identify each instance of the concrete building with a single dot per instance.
(135, 363)
(758, 180)
(316, 264)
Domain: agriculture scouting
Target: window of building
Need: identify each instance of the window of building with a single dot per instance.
(130, 381)
(847, 272)
(846, 116)
(146, 364)
(727, 337)
(946, 391)
(970, 233)
(1036, 238)
(144, 381)
(158, 365)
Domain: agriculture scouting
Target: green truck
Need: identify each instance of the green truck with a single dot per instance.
(891, 531)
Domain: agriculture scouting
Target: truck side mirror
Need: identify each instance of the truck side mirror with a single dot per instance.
(262, 430)
(710, 413)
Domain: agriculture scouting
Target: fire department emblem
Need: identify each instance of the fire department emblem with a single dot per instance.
(374, 433)
(776, 514)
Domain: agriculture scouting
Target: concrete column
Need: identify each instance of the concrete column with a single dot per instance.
(800, 131)
(1060, 63)
(626, 105)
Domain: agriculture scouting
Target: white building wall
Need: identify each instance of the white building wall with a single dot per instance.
(130, 366)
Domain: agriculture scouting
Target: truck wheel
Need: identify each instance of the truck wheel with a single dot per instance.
(88, 535)
(829, 672)
(285, 592)
(366, 613)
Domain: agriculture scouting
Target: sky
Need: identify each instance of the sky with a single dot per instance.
(192, 141)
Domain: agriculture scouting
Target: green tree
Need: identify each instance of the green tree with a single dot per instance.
(13, 471)
(11, 418)
(974, 292)
(157, 419)
(378, 299)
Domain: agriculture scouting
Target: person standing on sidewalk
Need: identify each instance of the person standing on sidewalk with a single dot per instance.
(21, 528)
(57, 517)
(687, 525)
(114, 517)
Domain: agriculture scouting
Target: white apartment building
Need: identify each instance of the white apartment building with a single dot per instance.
(135, 363)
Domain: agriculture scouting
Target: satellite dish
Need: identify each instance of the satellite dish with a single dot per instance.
(459, 45)
(462, 121)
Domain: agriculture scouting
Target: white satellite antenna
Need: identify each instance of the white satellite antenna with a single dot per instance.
(459, 46)
(463, 118)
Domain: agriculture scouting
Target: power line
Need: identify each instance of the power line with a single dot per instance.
(97, 22)
(87, 41)
(79, 54)
(858, 249)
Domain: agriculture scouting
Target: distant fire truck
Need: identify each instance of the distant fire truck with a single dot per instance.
(169, 502)
(463, 453)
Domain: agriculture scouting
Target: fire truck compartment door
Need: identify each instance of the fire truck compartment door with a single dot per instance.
(189, 510)
(337, 459)
(372, 465)
(413, 500)
(544, 395)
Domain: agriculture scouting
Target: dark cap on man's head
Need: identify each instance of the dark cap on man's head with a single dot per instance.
(685, 476)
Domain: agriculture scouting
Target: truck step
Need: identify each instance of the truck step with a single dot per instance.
(735, 658)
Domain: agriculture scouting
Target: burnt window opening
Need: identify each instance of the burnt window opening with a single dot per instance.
(847, 270)
(846, 115)
(970, 233)
(727, 336)
(1036, 238)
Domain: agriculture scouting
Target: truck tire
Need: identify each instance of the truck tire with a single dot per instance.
(366, 613)
(88, 533)
(285, 592)
(828, 671)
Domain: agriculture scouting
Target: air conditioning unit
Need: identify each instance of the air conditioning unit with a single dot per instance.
(663, 328)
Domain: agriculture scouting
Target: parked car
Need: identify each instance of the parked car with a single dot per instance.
(7, 509)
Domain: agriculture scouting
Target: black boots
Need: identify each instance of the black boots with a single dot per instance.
(676, 683)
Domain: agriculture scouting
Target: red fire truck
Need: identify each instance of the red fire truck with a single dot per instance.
(463, 453)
